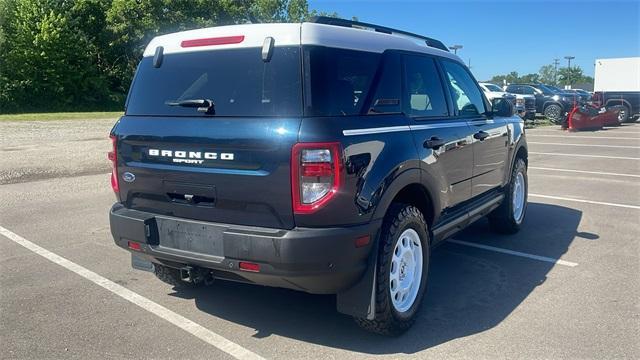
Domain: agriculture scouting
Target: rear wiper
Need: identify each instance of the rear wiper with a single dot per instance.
(203, 105)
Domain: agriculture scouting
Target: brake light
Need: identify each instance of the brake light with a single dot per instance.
(315, 175)
(248, 266)
(213, 41)
(113, 157)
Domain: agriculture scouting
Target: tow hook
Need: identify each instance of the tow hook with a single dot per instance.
(196, 275)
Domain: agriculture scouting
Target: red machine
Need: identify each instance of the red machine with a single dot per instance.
(589, 117)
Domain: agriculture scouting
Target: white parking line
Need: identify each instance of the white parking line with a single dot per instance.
(586, 145)
(180, 321)
(583, 171)
(584, 155)
(515, 253)
(585, 137)
(586, 201)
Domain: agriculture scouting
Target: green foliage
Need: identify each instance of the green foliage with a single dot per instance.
(547, 75)
(573, 75)
(81, 54)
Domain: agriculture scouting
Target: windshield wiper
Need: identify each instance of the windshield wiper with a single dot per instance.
(203, 105)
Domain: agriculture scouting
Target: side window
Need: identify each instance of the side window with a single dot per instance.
(423, 88)
(466, 95)
(515, 89)
(337, 81)
(528, 90)
(389, 88)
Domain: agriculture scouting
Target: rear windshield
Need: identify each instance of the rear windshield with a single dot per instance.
(492, 87)
(237, 81)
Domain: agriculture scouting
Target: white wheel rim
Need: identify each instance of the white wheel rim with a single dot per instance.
(621, 115)
(405, 273)
(518, 197)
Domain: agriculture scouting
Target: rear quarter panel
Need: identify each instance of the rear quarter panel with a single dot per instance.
(375, 163)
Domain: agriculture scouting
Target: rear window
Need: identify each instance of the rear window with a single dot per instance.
(337, 81)
(237, 81)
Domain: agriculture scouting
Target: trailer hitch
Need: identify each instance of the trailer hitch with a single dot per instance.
(196, 275)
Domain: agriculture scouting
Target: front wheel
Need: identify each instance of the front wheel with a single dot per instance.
(508, 217)
(553, 112)
(402, 268)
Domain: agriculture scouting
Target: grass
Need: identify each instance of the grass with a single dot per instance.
(61, 116)
(538, 122)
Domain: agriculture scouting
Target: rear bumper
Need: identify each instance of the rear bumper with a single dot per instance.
(319, 261)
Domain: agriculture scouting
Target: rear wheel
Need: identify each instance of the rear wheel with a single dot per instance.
(624, 114)
(401, 277)
(553, 112)
(508, 217)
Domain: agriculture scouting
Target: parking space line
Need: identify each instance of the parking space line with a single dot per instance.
(584, 155)
(586, 201)
(180, 321)
(583, 171)
(585, 137)
(515, 253)
(586, 145)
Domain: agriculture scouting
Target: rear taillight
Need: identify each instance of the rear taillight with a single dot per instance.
(113, 157)
(315, 175)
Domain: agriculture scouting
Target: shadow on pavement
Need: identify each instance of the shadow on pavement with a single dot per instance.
(470, 290)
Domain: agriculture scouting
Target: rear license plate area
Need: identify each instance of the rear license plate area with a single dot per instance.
(192, 237)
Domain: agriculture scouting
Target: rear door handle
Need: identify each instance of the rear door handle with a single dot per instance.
(433, 143)
(480, 135)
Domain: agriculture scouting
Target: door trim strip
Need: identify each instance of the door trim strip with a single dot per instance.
(387, 129)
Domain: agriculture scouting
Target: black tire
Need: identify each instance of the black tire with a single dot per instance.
(624, 115)
(172, 277)
(502, 220)
(388, 321)
(554, 113)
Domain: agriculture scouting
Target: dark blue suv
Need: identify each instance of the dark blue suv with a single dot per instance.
(327, 157)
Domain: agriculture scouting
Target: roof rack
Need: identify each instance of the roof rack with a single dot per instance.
(382, 29)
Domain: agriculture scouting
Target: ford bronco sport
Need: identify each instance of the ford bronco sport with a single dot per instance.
(327, 157)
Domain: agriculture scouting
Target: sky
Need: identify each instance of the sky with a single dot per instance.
(504, 36)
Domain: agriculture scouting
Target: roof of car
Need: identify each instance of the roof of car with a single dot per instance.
(288, 34)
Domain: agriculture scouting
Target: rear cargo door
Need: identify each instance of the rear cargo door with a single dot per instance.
(228, 170)
(226, 160)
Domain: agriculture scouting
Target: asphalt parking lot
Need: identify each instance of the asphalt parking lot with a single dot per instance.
(566, 286)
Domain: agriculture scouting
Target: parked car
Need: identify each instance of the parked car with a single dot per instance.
(325, 157)
(580, 97)
(524, 105)
(585, 96)
(552, 104)
(617, 83)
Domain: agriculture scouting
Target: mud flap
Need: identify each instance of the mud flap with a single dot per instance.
(139, 262)
(360, 300)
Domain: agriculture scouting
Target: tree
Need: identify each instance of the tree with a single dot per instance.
(573, 75)
(530, 78)
(548, 74)
(48, 63)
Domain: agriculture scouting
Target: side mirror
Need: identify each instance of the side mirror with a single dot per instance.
(502, 107)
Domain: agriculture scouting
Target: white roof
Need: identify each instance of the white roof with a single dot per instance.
(294, 34)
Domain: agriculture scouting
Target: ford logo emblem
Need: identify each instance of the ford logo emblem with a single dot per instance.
(128, 177)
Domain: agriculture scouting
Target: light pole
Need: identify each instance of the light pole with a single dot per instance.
(569, 58)
(555, 71)
(455, 48)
